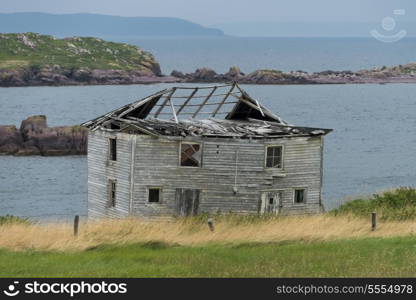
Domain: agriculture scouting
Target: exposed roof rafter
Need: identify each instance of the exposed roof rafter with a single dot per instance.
(198, 102)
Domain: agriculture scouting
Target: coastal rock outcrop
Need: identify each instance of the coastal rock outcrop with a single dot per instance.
(35, 138)
(31, 59)
(401, 73)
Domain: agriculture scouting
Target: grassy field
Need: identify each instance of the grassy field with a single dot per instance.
(370, 257)
(336, 244)
(313, 246)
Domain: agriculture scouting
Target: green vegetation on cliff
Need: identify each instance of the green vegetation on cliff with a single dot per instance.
(398, 204)
(35, 51)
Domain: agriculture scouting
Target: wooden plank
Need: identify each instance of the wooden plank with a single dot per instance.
(207, 104)
(205, 101)
(173, 111)
(165, 102)
(223, 100)
(187, 100)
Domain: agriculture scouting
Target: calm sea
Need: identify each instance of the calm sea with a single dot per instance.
(372, 147)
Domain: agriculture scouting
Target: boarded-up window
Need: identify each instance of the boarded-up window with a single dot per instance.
(154, 195)
(187, 202)
(271, 201)
(113, 149)
(190, 155)
(300, 195)
(274, 156)
(112, 193)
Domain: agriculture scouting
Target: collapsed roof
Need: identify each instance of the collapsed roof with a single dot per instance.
(161, 114)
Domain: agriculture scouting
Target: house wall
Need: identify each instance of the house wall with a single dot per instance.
(156, 164)
(101, 169)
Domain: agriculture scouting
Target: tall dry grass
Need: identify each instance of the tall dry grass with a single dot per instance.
(190, 232)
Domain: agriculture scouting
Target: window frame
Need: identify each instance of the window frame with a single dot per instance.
(281, 158)
(110, 149)
(160, 194)
(305, 195)
(111, 203)
(180, 154)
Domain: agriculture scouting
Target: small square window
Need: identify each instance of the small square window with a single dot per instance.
(113, 149)
(190, 155)
(154, 195)
(300, 196)
(274, 156)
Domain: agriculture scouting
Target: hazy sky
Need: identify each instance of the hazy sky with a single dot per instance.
(210, 12)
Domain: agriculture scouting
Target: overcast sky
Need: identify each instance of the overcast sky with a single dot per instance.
(209, 12)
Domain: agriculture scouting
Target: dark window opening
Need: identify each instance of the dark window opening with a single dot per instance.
(300, 196)
(154, 195)
(271, 200)
(190, 155)
(274, 157)
(113, 149)
(111, 193)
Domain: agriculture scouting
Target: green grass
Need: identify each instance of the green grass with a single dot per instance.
(395, 257)
(398, 204)
(9, 219)
(35, 51)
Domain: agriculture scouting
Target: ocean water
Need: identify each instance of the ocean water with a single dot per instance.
(287, 54)
(371, 148)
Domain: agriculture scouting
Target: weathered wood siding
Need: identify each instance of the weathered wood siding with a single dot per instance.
(224, 162)
(100, 170)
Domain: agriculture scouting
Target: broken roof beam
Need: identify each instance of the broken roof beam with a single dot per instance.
(203, 87)
(173, 111)
(223, 100)
(207, 104)
(258, 105)
(204, 102)
(137, 126)
(134, 105)
(253, 105)
(187, 100)
(167, 99)
(263, 110)
(191, 113)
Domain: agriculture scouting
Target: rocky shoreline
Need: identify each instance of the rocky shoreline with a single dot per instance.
(31, 59)
(397, 74)
(57, 76)
(34, 137)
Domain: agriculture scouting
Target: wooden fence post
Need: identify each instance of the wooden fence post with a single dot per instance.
(211, 224)
(373, 221)
(76, 225)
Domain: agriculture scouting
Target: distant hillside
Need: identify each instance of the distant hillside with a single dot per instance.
(20, 50)
(101, 25)
(34, 59)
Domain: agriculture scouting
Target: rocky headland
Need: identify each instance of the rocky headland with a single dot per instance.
(34, 137)
(31, 59)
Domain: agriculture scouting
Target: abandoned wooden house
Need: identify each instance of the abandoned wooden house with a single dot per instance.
(184, 151)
